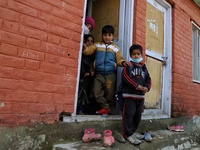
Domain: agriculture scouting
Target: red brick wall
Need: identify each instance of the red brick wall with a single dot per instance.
(39, 48)
(139, 35)
(185, 93)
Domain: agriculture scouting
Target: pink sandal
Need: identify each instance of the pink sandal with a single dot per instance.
(90, 136)
(108, 139)
(176, 128)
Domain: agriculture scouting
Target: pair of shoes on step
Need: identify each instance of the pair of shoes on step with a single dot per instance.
(177, 128)
(104, 112)
(134, 140)
(91, 136)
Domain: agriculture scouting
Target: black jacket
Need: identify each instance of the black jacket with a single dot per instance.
(135, 75)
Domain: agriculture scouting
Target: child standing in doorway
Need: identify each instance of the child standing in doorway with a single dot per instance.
(107, 57)
(86, 77)
(136, 82)
(89, 25)
(86, 67)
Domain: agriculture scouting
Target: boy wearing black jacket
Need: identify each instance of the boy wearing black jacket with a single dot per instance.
(136, 82)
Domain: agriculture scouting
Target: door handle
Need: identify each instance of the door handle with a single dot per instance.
(164, 60)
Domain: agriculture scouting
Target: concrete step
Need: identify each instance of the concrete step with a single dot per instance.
(67, 135)
(162, 140)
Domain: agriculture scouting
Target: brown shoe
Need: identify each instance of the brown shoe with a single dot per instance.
(119, 137)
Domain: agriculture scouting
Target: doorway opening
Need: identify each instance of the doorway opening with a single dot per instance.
(160, 107)
(112, 12)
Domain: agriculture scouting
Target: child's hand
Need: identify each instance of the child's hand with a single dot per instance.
(145, 89)
(84, 45)
(127, 63)
(140, 88)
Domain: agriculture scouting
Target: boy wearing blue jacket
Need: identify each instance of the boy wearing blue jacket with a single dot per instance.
(107, 57)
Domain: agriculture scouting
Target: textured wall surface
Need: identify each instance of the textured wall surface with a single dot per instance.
(185, 93)
(39, 50)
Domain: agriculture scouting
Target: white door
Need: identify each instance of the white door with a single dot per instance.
(158, 58)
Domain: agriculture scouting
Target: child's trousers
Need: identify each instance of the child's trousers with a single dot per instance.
(131, 115)
(104, 89)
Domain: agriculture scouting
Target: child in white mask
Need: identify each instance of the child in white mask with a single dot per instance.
(89, 25)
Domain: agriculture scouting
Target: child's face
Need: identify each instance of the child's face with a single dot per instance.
(107, 37)
(89, 41)
(136, 54)
(89, 26)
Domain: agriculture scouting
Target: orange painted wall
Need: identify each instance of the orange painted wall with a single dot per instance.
(39, 49)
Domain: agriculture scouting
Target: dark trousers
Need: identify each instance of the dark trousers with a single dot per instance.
(131, 115)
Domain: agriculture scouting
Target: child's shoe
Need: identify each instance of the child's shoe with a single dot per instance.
(108, 139)
(176, 128)
(90, 136)
(103, 111)
(119, 137)
(147, 137)
(139, 136)
(133, 140)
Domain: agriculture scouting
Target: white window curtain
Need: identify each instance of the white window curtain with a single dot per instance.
(196, 52)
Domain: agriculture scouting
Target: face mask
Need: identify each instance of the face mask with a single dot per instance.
(136, 60)
(86, 30)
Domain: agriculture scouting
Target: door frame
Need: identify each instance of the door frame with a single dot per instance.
(165, 111)
(126, 31)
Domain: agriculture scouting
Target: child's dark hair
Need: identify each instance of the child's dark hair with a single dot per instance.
(86, 36)
(108, 29)
(135, 46)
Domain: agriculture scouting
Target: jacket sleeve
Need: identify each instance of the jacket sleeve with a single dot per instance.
(147, 80)
(119, 58)
(130, 82)
(90, 50)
